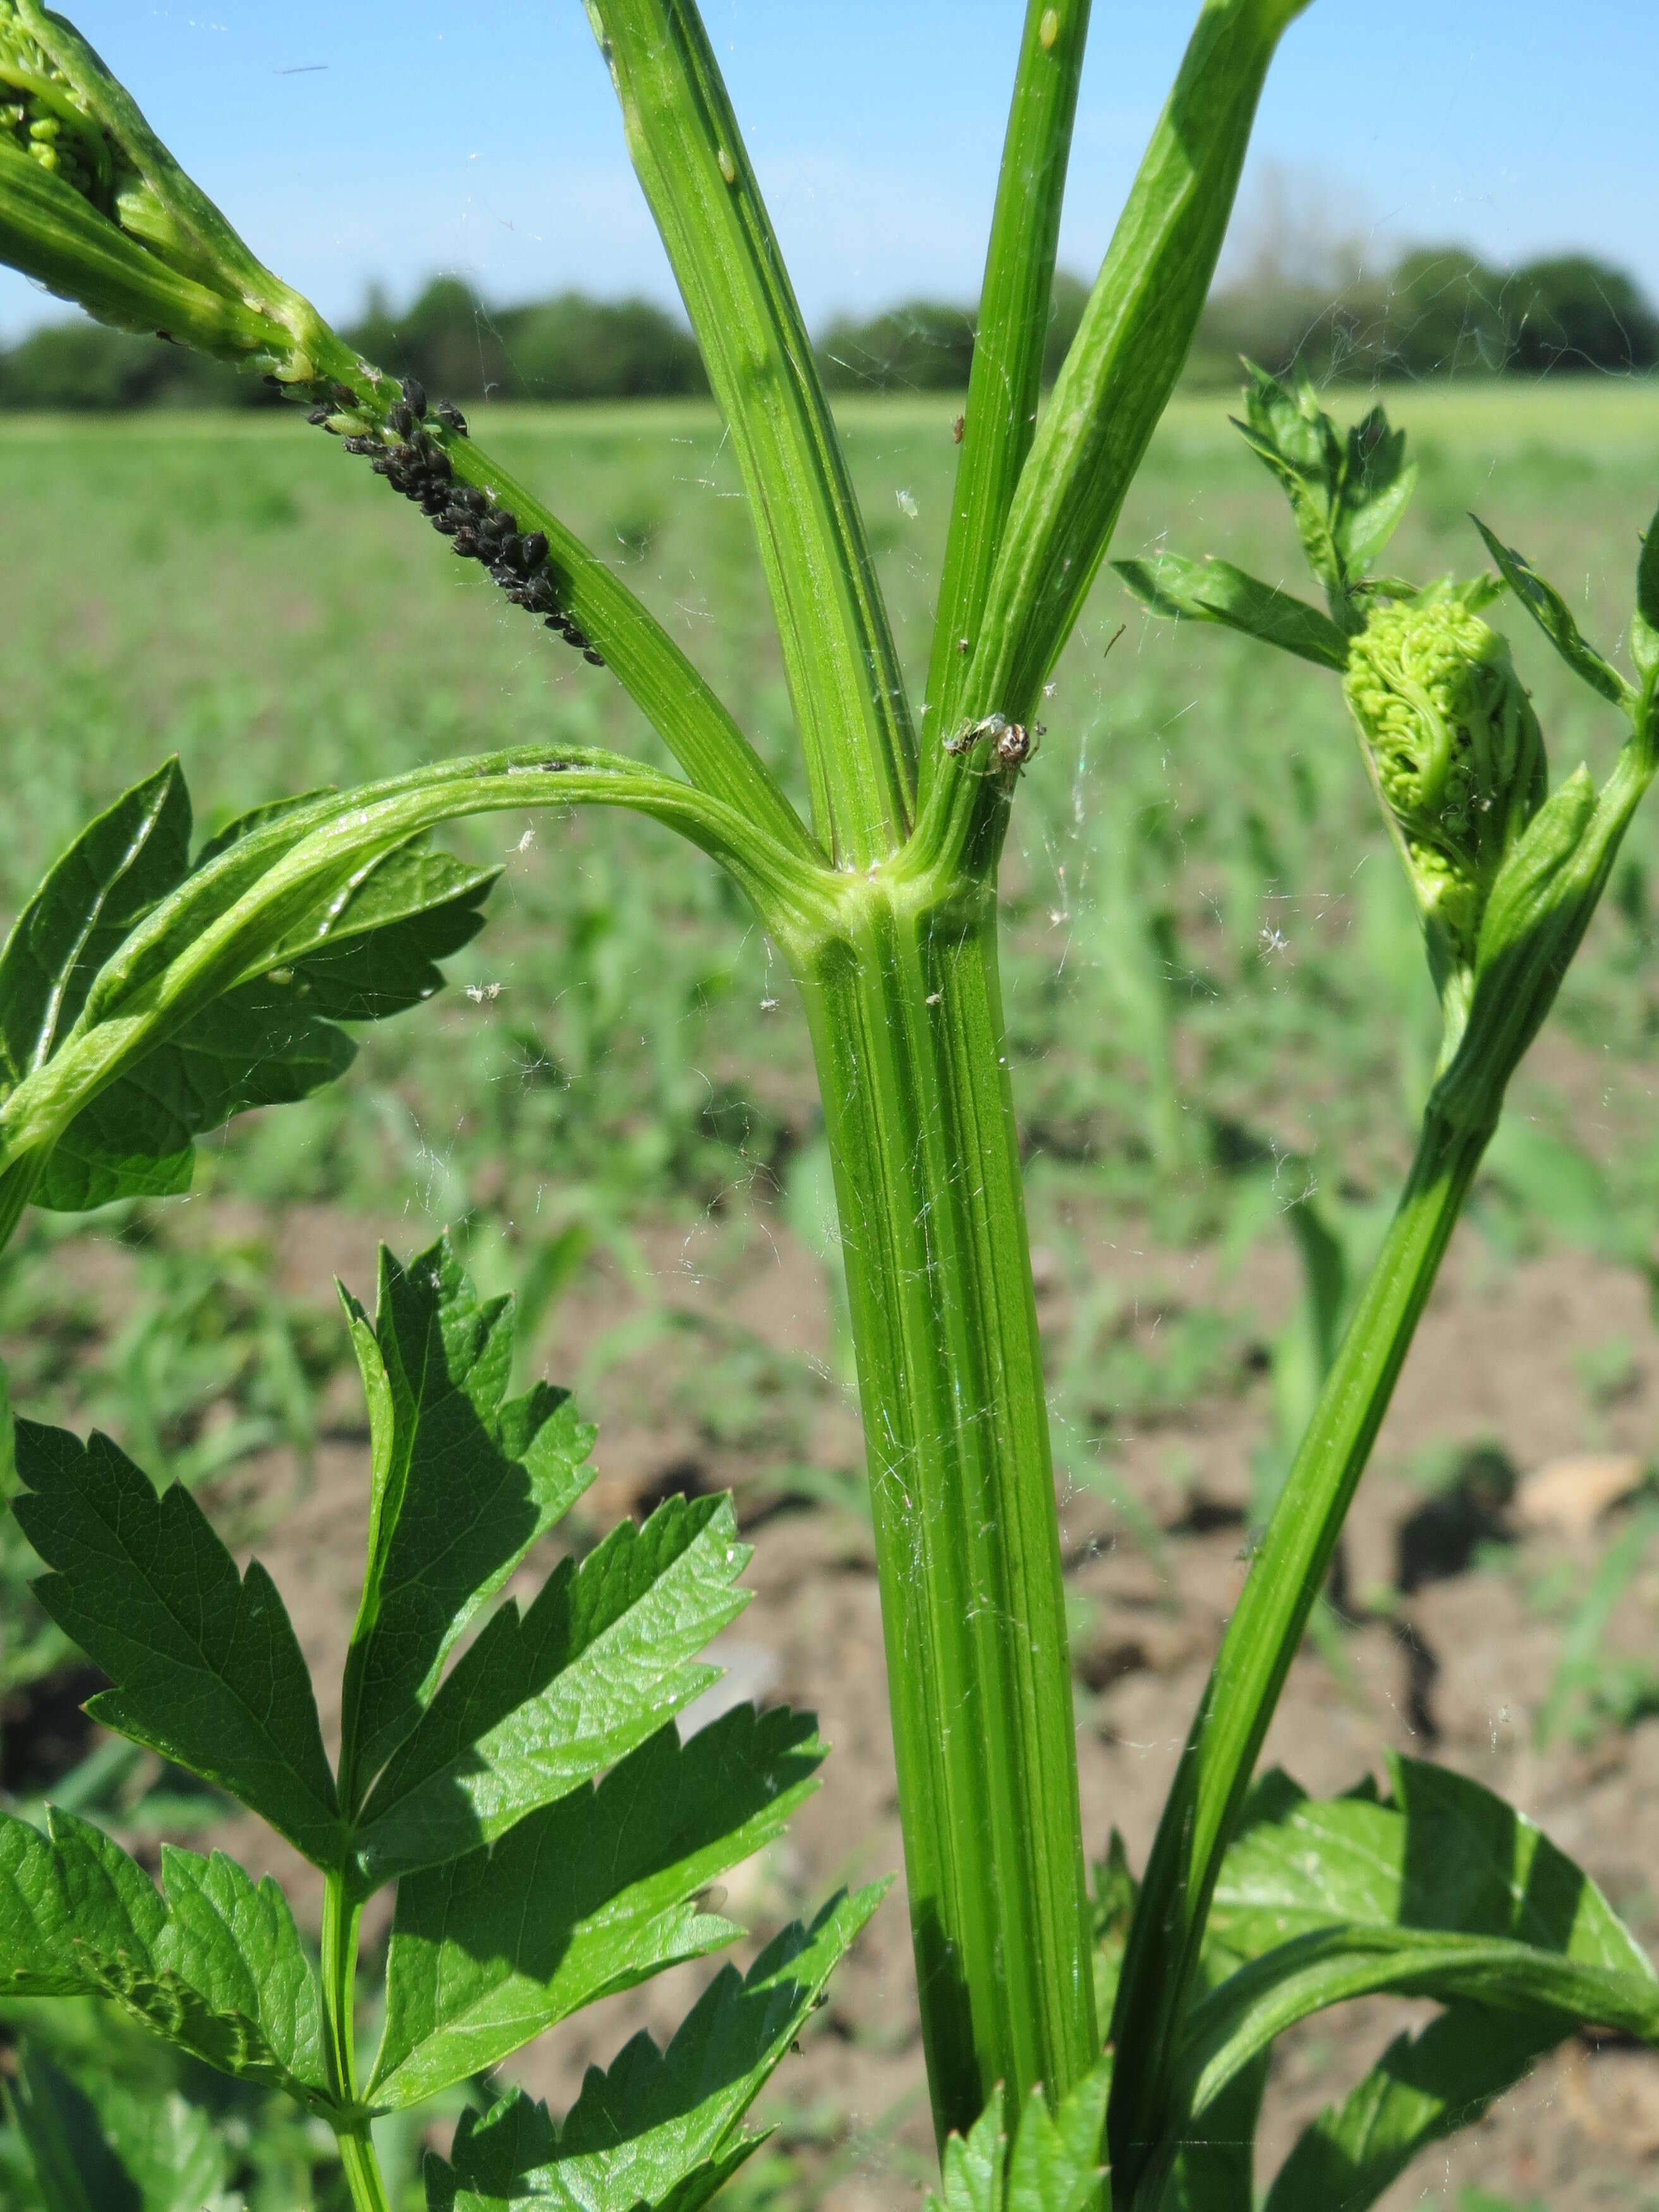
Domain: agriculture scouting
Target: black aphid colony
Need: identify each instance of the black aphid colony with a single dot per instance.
(415, 463)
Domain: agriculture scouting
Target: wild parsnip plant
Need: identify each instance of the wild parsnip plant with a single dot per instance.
(1255, 1911)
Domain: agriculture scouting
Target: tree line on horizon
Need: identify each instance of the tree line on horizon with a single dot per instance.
(1435, 312)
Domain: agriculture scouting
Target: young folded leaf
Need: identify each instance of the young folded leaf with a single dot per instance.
(661, 2126)
(109, 2146)
(543, 1702)
(213, 1964)
(217, 995)
(589, 1896)
(204, 1662)
(1348, 494)
(463, 1482)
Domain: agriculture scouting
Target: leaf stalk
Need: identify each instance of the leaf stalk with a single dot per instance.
(1161, 1963)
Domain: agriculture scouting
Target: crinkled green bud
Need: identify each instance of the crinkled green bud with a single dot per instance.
(1457, 754)
(94, 207)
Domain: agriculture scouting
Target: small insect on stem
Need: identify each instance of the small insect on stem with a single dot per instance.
(1012, 744)
(957, 429)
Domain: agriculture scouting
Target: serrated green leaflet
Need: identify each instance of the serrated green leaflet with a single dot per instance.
(376, 951)
(1053, 2164)
(215, 1965)
(1443, 1892)
(1214, 591)
(464, 1482)
(1644, 621)
(259, 1046)
(1554, 617)
(1331, 1965)
(541, 1703)
(204, 1663)
(973, 2168)
(1422, 2088)
(370, 951)
(1347, 492)
(643, 2128)
(591, 1895)
(109, 2148)
(119, 867)
(1440, 1853)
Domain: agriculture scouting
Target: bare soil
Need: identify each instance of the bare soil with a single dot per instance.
(1459, 1669)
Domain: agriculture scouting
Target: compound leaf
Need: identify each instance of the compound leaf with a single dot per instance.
(370, 950)
(1440, 1852)
(214, 1967)
(464, 1482)
(1443, 1891)
(1554, 617)
(1214, 591)
(656, 2130)
(1233, 2028)
(587, 1897)
(133, 855)
(260, 1045)
(541, 1703)
(204, 1662)
(109, 2147)
(1423, 2088)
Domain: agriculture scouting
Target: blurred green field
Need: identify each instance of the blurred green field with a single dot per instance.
(1216, 995)
(1210, 964)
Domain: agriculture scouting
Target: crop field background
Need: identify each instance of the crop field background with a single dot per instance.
(1221, 1028)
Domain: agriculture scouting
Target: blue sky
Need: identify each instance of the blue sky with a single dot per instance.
(384, 141)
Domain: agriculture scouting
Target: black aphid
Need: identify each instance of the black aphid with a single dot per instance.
(452, 417)
(416, 465)
(344, 394)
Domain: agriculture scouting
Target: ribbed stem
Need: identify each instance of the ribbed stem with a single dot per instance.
(906, 1016)
(1263, 1638)
(341, 1916)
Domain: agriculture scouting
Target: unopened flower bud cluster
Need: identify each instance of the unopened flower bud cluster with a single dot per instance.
(1455, 748)
(40, 114)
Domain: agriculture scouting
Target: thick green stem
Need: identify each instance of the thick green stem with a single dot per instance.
(340, 1914)
(906, 1015)
(1263, 1638)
